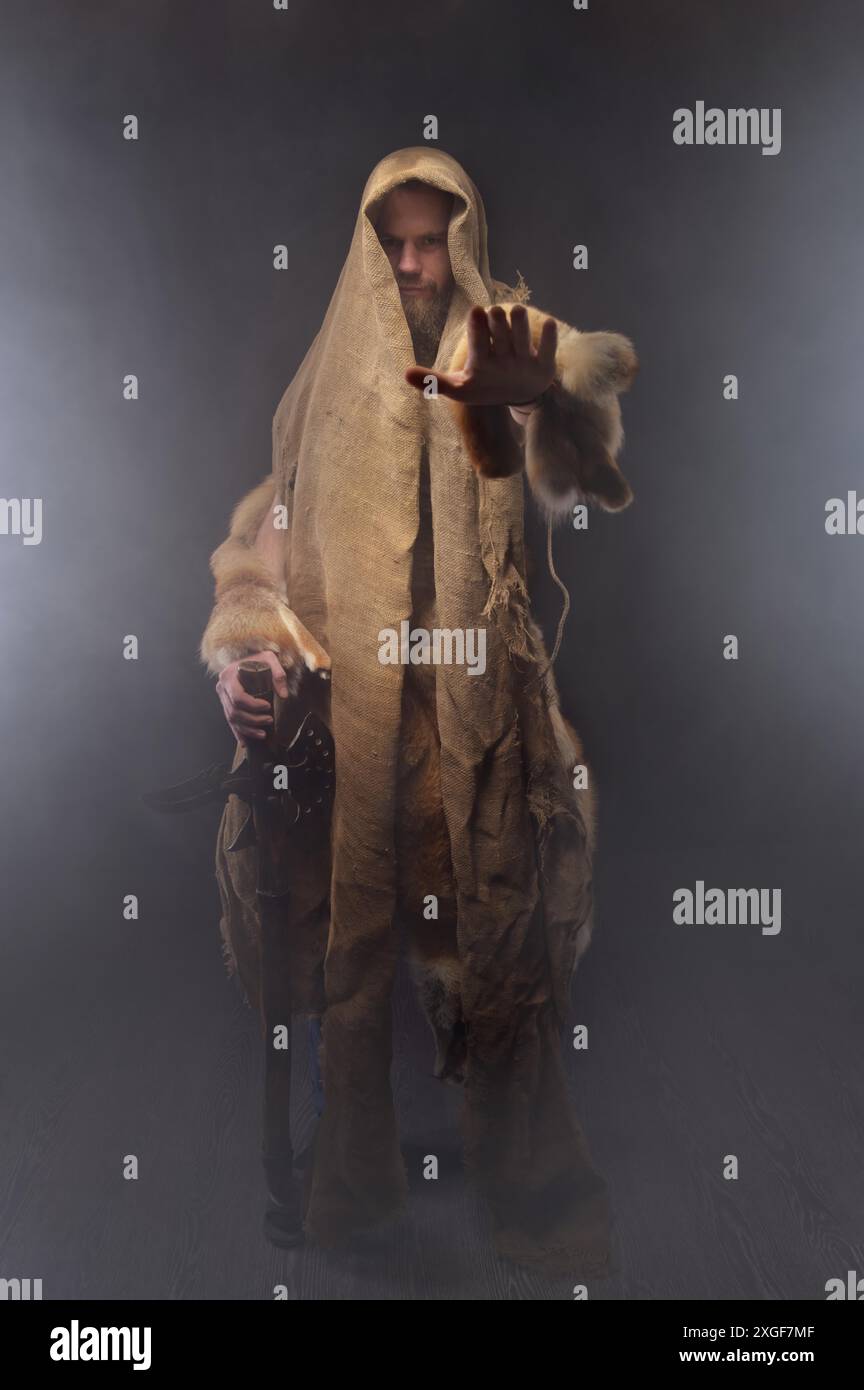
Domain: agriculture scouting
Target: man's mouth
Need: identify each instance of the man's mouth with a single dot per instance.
(415, 289)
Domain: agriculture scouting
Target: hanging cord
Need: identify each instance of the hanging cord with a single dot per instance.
(564, 611)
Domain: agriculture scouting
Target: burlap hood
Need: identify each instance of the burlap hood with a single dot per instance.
(347, 440)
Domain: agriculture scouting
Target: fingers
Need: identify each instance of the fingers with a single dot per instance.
(478, 337)
(248, 716)
(229, 688)
(250, 711)
(502, 365)
(254, 712)
(446, 384)
(520, 330)
(499, 330)
(503, 337)
(280, 680)
(244, 726)
(419, 376)
(548, 345)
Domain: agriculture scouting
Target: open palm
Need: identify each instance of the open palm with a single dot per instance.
(502, 366)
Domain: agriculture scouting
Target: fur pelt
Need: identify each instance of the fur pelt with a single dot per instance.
(251, 613)
(570, 444)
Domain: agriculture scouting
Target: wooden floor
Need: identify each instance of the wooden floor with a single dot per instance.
(704, 1042)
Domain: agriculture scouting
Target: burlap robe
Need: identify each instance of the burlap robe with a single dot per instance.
(347, 438)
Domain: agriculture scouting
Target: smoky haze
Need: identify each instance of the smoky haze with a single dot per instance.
(155, 257)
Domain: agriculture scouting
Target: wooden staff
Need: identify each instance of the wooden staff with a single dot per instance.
(273, 811)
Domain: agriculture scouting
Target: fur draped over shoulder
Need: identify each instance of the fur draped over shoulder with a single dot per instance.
(251, 613)
(570, 444)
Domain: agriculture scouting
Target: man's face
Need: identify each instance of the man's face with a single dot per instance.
(412, 228)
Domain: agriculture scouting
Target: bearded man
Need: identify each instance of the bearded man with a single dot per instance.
(396, 496)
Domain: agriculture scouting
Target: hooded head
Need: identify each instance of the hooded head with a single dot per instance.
(405, 191)
(412, 222)
(355, 368)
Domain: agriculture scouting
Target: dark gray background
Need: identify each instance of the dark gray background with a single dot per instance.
(155, 257)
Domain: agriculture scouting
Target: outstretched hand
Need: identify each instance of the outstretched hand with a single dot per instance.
(502, 367)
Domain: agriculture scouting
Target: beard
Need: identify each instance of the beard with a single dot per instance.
(426, 318)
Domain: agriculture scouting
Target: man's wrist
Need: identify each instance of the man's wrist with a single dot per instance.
(521, 412)
(536, 401)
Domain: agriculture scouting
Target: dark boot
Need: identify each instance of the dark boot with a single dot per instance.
(283, 1222)
(283, 1217)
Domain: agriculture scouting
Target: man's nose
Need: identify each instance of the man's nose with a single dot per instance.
(409, 261)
